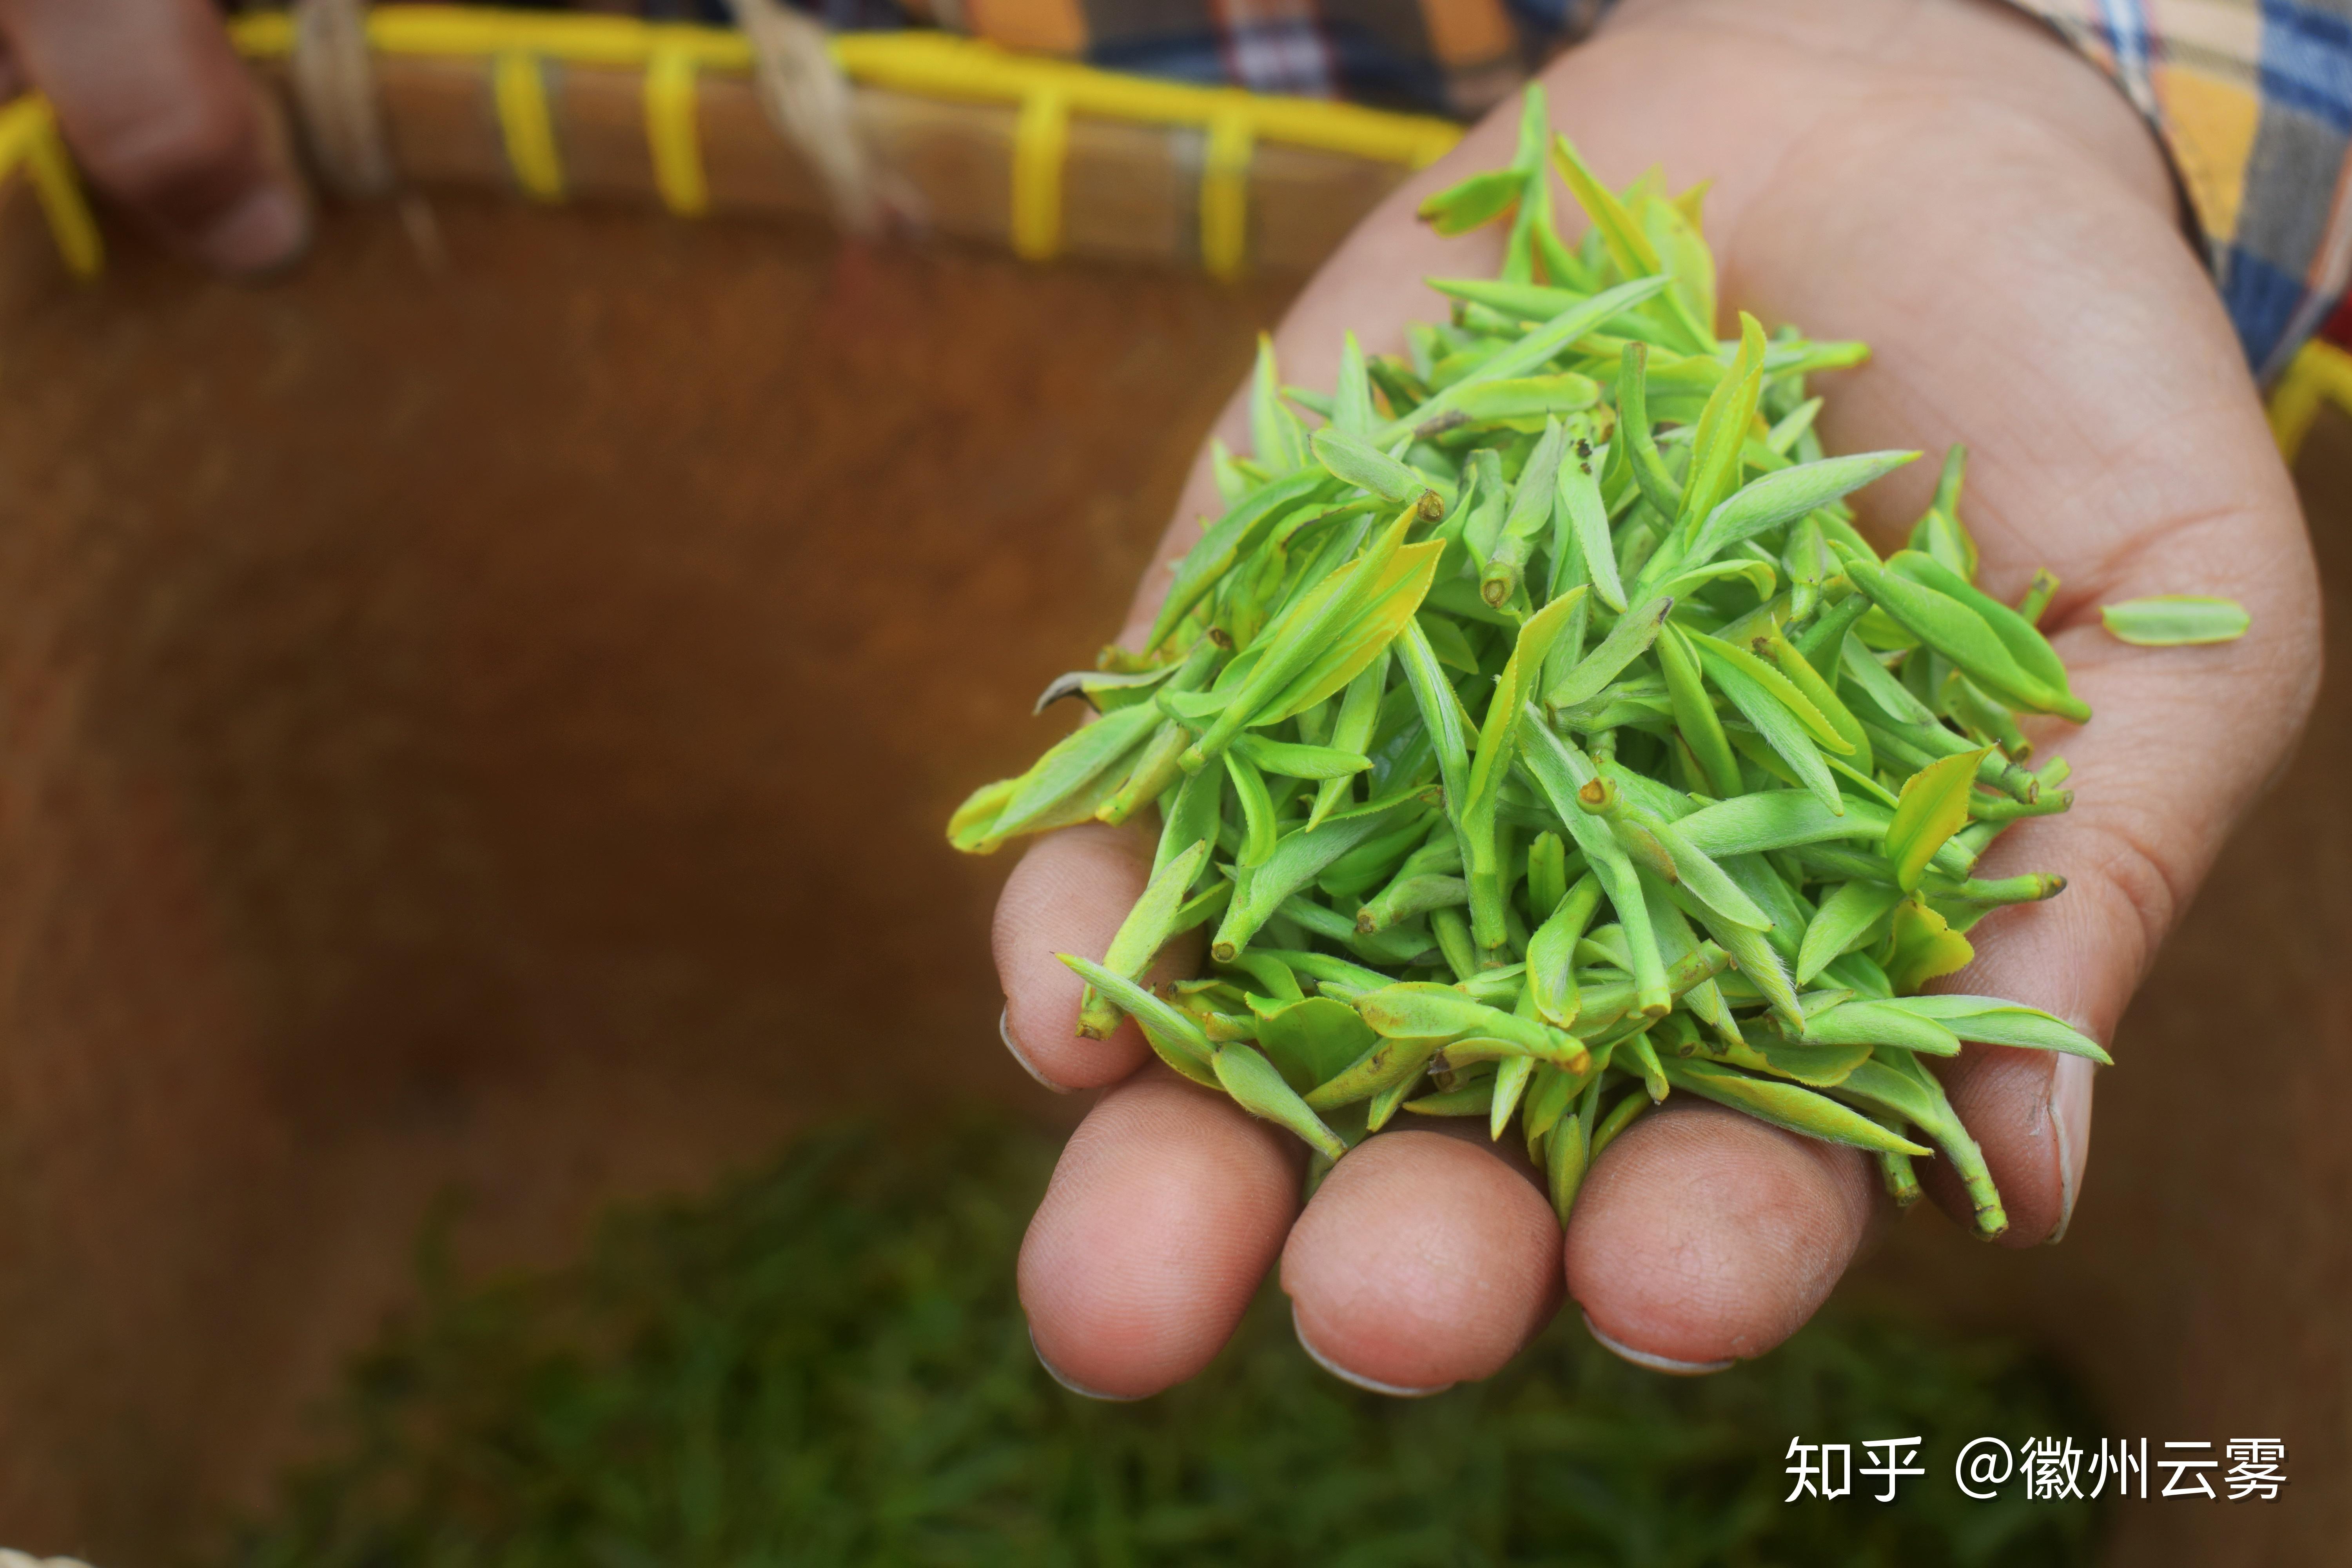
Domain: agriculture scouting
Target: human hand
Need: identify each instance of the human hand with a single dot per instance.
(1950, 184)
(162, 117)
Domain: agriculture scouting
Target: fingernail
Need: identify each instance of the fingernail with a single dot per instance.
(2070, 1119)
(1079, 1389)
(1667, 1365)
(1372, 1386)
(1004, 1033)
(266, 229)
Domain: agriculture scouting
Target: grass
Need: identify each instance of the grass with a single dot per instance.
(824, 1365)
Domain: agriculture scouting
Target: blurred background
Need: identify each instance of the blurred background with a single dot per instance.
(477, 718)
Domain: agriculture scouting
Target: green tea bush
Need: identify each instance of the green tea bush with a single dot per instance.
(824, 1363)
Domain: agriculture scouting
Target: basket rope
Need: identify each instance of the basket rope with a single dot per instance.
(334, 91)
(808, 99)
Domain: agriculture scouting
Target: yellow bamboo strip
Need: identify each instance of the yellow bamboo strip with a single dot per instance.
(1224, 196)
(672, 133)
(30, 140)
(1041, 149)
(518, 86)
(936, 65)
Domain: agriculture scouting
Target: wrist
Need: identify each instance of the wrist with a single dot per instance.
(1953, 67)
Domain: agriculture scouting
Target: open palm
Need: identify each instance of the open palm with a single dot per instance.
(1950, 185)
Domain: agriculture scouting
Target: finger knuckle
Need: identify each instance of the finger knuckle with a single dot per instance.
(181, 157)
(2120, 861)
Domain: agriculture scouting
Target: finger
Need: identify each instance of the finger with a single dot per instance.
(1703, 1236)
(2029, 1111)
(162, 115)
(2181, 742)
(1164, 1213)
(1424, 1260)
(1070, 894)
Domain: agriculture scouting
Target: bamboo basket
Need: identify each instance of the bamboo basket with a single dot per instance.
(1046, 157)
(476, 718)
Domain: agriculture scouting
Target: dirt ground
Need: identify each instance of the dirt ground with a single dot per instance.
(477, 716)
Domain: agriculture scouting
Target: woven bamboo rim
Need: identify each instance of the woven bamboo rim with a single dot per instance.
(1051, 158)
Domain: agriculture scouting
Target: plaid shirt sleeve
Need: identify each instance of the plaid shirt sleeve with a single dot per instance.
(1444, 57)
(2252, 99)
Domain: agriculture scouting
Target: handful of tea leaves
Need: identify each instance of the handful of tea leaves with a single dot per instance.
(1537, 736)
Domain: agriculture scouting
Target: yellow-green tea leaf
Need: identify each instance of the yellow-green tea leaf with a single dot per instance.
(1785, 1105)
(1477, 201)
(1387, 609)
(1933, 807)
(1259, 1089)
(1922, 947)
(2174, 620)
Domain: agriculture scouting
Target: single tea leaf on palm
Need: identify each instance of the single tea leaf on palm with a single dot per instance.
(2174, 620)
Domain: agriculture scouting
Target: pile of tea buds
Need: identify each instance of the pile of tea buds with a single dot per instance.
(1536, 736)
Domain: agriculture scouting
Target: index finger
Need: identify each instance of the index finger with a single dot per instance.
(1070, 894)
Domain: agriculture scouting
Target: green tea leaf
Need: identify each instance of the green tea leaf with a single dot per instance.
(1259, 1089)
(1384, 1066)
(1772, 819)
(1869, 1023)
(1685, 255)
(1933, 807)
(1536, 348)
(1771, 501)
(1531, 398)
(1280, 439)
(1293, 761)
(1230, 538)
(1528, 301)
(2023, 640)
(1083, 762)
(1851, 910)
(1473, 203)
(1923, 947)
(1578, 495)
(1355, 461)
(972, 827)
(1627, 640)
(1351, 397)
(2174, 620)
(1424, 1010)
(1989, 1020)
(1140, 936)
(1176, 1038)
(1297, 859)
(1722, 429)
(1383, 610)
(1311, 1041)
(1961, 635)
(1719, 655)
(1785, 1105)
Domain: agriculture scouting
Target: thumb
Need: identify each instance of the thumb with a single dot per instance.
(162, 117)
